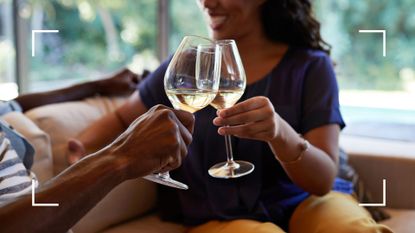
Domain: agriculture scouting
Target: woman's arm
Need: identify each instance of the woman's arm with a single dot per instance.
(256, 119)
(121, 83)
(313, 169)
(103, 131)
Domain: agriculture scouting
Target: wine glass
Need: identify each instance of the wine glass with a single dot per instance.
(191, 82)
(231, 88)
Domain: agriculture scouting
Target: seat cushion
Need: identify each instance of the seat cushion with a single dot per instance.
(147, 224)
(66, 120)
(42, 163)
(401, 221)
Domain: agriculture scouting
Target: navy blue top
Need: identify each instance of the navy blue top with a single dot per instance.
(304, 92)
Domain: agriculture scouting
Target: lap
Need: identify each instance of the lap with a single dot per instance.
(239, 226)
(334, 212)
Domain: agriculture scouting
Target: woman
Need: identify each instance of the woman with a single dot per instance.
(291, 90)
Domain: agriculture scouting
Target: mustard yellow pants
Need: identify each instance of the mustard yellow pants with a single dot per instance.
(332, 213)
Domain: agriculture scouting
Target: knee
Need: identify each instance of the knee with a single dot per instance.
(333, 213)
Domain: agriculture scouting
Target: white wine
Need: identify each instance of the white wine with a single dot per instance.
(190, 100)
(226, 98)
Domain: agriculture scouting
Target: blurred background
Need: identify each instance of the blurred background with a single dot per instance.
(97, 37)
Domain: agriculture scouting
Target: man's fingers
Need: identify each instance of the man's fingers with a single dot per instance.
(175, 160)
(184, 133)
(186, 118)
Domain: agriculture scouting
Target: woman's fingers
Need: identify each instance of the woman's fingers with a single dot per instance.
(245, 106)
(263, 130)
(259, 114)
(254, 118)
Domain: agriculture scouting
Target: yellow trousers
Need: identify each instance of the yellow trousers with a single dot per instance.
(332, 213)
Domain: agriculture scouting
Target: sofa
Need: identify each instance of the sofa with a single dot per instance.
(130, 206)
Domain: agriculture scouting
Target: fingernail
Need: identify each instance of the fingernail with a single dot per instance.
(221, 131)
(222, 113)
(216, 121)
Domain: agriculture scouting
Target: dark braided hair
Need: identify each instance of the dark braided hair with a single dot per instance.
(292, 22)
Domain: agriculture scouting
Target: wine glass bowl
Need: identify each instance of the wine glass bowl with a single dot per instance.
(192, 79)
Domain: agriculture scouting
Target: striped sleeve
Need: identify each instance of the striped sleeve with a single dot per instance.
(15, 179)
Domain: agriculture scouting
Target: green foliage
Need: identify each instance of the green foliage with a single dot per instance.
(82, 43)
(83, 40)
(359, 56)
(186, 19)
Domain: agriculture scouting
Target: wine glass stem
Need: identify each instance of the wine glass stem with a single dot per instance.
(164, 175)
(229, 152)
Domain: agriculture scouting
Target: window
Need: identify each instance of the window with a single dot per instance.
(376, 92)
(8, 87)
(94, 38)
(180, 13)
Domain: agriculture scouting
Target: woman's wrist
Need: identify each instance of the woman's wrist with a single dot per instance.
(287, 145)
(278, 136)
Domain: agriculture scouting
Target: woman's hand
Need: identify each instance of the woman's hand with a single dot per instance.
(254, 118)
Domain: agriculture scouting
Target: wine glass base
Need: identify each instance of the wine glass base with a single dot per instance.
(238, 169)
(166, 180)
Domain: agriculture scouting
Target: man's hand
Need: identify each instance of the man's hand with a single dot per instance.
(121, 83)
(155, 141)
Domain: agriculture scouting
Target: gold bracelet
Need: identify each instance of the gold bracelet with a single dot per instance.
(305, 145)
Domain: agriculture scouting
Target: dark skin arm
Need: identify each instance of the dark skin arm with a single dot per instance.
(155, 141)
(105, 129)
(120, 83)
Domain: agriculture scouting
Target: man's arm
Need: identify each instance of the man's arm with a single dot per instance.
(154, 141)
(121, 83)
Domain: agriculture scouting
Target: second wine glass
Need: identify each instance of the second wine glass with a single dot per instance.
(231, 88)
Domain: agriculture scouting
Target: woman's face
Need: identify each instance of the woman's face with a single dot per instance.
(232, 19)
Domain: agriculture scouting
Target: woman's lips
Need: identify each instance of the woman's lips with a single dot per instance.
(216, 21)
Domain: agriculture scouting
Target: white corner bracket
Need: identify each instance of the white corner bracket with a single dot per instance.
(33, 37)
(40, 204)
(383, 35)
(378, 204)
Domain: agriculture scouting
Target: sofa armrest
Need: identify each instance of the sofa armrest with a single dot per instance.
(65, 120)
(375, 160)
(42, 163)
